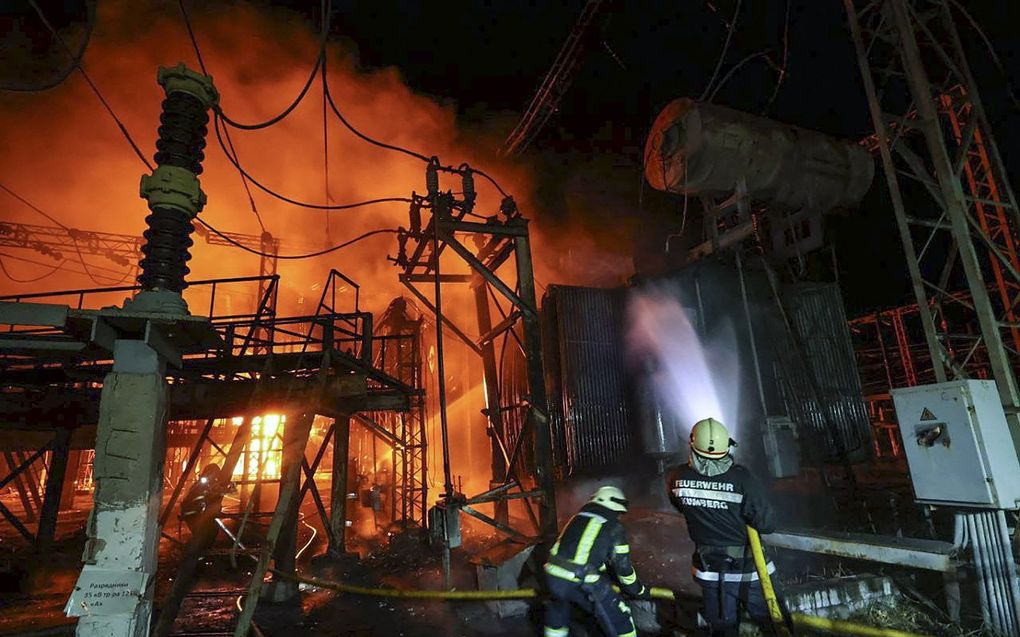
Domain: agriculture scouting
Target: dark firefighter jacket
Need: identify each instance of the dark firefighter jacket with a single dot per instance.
(197, 500)
(718, 509)
(592, 546)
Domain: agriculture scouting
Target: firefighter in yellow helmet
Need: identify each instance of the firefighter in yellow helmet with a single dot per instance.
(591, 550)
(720, 499)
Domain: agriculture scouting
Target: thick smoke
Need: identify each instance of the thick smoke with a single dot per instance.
(64, 153)
(692, 376)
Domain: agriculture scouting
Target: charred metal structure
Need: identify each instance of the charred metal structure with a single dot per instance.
(136, 368)
(519, 422)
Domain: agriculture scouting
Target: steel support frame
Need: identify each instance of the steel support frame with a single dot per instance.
(497, 241)
(398, 353)
(15, 473)
(901, 45)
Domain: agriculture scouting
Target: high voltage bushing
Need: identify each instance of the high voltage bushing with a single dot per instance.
(173, 191)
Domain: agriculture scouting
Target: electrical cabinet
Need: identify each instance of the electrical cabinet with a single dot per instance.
(958, 444)
(782, 450)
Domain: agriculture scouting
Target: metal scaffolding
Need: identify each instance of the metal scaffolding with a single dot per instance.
(956, 213)
(498, 239)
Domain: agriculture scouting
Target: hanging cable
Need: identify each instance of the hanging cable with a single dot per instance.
(301, 95)
(991, 51)
(319, 67)
(736, 67)
(782, 68)
(722, 55)
(7, 274)
(325, 148)
(244, 181)
(33, 206)
(88, 272)
(92, 85)
(359, 134)
(230, 142)
(64, 267)
(90, 25)
(310, 255)
(233, 160)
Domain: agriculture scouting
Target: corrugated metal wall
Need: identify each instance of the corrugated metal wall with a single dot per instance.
(817, 313)
(588, 400)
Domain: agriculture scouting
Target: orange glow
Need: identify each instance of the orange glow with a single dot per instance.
(259, 60)
(265, 449)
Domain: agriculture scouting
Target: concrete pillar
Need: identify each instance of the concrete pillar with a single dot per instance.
(59, 451)
(338, 488)
(295, 437)
(123, 529)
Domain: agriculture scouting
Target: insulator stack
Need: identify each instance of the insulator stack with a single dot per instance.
(173, 191)
(432, 177)
(182, 132)
(468, 185)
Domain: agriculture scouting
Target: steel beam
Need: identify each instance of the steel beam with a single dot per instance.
(338, 488)
(492, 394)
(290, 486)
(538, 410)
(59, 451)
(284, 554)
(928, 555)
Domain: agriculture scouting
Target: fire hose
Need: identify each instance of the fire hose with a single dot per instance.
(655, 593)
(807, 621)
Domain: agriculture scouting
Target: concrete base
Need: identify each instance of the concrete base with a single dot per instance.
(835, 599)
(499, 569)
(841, 597)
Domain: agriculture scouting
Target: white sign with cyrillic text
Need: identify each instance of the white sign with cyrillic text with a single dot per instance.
(102, 591)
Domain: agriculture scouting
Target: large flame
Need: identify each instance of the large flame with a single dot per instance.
(62, 151)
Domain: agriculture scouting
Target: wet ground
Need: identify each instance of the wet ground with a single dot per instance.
(659, 543)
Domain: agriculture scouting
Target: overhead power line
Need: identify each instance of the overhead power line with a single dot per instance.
(226, 144)
(722, 55)
(92, 85)
(7, 273)
(32, 206)
(90, 24)
(319, 60)
(991, 51)
(310, 255)
(363, 137)
(786, 57)
(295, 202)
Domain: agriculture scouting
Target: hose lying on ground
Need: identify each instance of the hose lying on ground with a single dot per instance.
(655, 592)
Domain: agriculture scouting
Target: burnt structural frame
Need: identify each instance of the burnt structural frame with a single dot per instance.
(421, 247)
(917, 79)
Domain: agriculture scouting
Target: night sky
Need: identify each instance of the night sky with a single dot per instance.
(487, 58)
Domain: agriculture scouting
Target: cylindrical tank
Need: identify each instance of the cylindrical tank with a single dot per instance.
(701, 148)
(660, 437)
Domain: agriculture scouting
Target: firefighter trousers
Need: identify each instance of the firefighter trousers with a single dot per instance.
(723, 602)
(598, 600)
